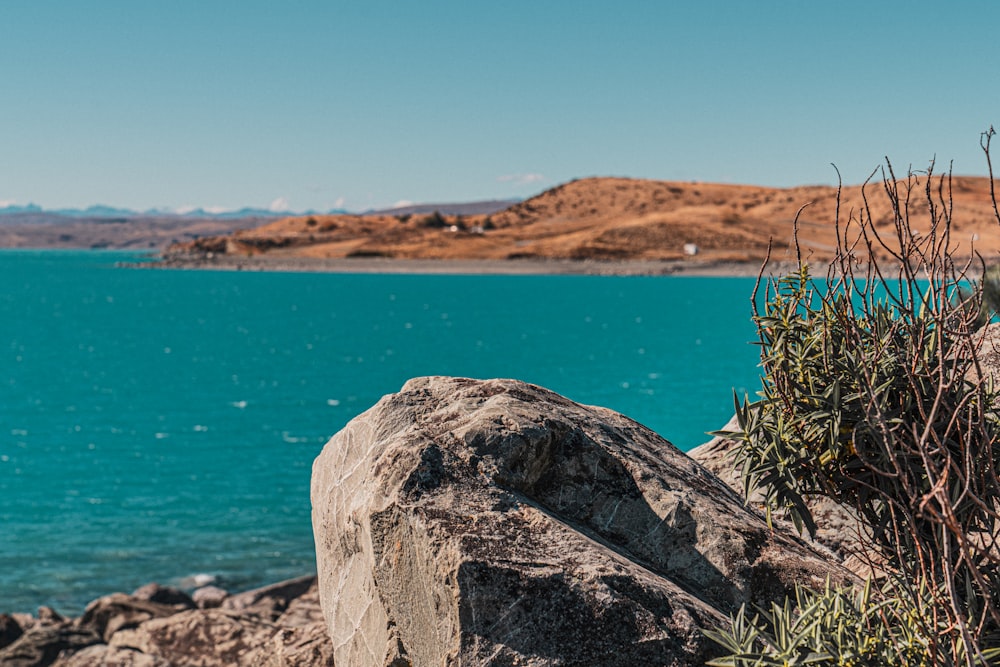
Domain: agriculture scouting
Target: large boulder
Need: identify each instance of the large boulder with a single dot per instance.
(496, 523)
(838, 528)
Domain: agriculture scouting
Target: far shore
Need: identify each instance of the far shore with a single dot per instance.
(521, 266)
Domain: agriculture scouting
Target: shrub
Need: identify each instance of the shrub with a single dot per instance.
(434, 220)
(991, 289)
(834, 626)
(731, 218)
(873, 395)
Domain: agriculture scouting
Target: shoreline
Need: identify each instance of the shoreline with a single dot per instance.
(514, 267)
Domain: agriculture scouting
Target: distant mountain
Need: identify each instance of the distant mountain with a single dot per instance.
(97, 211)
(463, 208)
(110, 212)
(99, 226)
(13, 210)
(100, 211)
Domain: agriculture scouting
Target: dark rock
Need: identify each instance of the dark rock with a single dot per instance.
(41, 645)
(154, 592)
(10, 630)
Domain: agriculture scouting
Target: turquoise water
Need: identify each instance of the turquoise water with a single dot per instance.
(155, 425)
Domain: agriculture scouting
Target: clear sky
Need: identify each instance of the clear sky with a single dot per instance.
(365, 103)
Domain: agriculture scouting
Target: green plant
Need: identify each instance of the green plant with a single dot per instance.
(835, 626)
(873, 395)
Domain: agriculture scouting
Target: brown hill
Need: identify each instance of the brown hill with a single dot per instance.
(615, 219)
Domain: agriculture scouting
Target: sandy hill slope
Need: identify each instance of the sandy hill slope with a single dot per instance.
(620, 219)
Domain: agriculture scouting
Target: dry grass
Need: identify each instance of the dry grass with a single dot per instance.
(621, 219)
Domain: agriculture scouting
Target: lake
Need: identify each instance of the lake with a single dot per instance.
(158, 425)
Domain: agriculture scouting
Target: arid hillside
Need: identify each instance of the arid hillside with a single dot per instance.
(142, 232)
(620, 219)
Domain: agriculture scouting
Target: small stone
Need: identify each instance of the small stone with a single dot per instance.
(209, 597)
(154, 592)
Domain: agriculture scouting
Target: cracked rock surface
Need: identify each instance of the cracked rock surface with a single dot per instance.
(494, 522)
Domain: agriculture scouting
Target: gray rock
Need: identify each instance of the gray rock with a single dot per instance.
(837, 525)
(496, 523)
(209, 597)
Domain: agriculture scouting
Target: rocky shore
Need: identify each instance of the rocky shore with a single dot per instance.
(478, 522)
(536, 266)
(276, 626)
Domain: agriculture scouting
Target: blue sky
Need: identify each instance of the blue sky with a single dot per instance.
(364, 104)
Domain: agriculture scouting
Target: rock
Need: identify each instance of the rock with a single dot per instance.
(154, 592)
(496, 523)
(102, 655)
(280, 625)
(209, 597)
(837, 525)
(242, 632)
(49, 616)
(111, 613)
(270, 601)
(198, 638)
(26, 621)
(10, 630)
(42, 644)
(989, 350)
(295, 647)
(304, 610)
